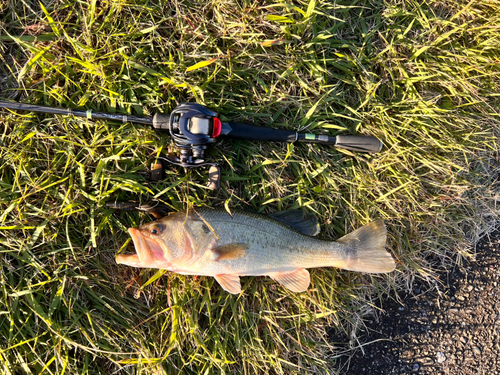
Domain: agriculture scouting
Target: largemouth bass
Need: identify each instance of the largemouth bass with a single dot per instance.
(210, 242)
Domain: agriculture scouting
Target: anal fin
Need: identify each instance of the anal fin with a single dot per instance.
(230, 283)
(297, 281)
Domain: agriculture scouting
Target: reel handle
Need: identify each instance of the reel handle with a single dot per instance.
(359, 143)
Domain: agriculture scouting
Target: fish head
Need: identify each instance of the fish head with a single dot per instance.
(164, 244)
(151, 249)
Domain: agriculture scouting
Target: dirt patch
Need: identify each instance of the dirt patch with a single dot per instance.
(455, 330)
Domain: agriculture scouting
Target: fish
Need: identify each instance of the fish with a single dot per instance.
(226, 246)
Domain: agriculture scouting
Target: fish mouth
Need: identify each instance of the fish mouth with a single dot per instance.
(148, 251)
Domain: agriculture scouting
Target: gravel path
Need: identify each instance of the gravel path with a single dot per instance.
(455, 332)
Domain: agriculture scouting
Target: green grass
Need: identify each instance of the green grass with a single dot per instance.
(421, 75)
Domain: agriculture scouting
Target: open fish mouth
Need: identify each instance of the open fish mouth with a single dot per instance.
(148, 251)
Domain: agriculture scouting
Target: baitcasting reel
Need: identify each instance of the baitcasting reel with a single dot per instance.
(192, 127)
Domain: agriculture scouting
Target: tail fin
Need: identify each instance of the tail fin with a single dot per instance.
(366, 249)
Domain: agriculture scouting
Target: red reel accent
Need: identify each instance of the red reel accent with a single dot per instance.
(217, 127)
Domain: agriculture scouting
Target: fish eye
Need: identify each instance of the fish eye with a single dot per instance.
(155, 230)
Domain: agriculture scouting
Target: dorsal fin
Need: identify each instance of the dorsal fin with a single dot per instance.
(302, 222)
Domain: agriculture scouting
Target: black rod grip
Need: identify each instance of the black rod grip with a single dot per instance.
(259, 133)
(360, 143)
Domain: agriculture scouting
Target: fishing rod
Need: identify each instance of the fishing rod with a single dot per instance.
(193, 127)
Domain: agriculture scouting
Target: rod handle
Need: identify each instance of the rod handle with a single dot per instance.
(257, 133)
(359, 143)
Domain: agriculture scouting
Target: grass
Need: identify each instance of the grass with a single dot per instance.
(421, 75)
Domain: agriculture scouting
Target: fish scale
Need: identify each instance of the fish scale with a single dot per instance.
(270, 245)
(211, 242)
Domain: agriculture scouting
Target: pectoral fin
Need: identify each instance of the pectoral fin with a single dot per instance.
(230, 283)
(230, 251)
(297, 281)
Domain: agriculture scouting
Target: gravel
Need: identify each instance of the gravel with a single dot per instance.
(454, 331)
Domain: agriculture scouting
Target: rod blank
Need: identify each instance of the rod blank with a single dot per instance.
(91, 115)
